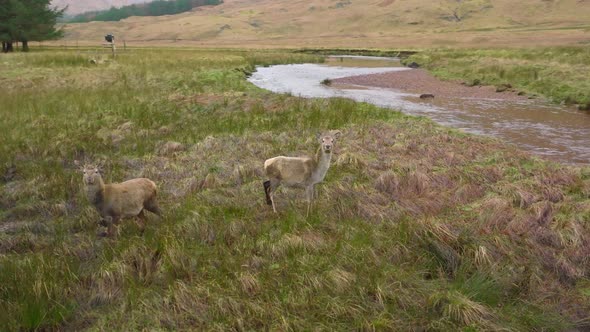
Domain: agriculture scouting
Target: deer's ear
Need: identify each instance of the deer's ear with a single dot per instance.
(336, 134)
(100, 166)
(79, 165)
(318, 135)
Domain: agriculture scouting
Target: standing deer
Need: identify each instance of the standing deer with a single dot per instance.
(300, 171)
(120, 200)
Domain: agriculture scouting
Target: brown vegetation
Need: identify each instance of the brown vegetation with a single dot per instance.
(325, 23)
(418, 227)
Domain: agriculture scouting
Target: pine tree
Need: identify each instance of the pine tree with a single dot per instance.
(27, 20)
(6, 25)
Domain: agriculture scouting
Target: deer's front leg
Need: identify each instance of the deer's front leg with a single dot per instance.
(111, 228)
(309, 195)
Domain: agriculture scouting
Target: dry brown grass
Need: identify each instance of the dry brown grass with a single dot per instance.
(457, 307)
(415, 227)
(319, 23)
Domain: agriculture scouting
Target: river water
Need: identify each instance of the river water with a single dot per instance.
(553, 131)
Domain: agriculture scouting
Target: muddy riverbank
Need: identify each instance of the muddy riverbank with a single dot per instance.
(548, 130)
(419, 81)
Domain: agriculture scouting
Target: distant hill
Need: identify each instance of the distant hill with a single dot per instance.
(80, 6)
(152, 8)
(370, 23)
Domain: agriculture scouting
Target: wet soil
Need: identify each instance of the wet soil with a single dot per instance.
(419, 81)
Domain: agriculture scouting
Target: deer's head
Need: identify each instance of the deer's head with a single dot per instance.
(91, 173)
(328, 140)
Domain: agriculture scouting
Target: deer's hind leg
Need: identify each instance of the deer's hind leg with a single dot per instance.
(140, 221)
(266, 185)
(274, 184)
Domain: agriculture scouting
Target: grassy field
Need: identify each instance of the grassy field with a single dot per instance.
(417, 226)
(559, 73)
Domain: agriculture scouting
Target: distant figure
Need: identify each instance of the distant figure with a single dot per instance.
(109, 38)
(426, 96)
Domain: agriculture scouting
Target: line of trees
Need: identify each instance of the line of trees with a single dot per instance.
(27, 20)
(154, 8)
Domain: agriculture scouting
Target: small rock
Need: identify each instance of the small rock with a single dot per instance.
(170, 147)
(283, 138)
(164, 130)
(426, 96)
(126, 126)
(209, 182)
(59, 209)
(10, 173)
(209, 142)
(238, 174)
(102, 222)
(110, 136)
(326, 82)
(475, 82)
(143, 133)
(503, 87)
(116, 139)
(413, 65)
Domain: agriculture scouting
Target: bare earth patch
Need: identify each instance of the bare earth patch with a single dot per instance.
(419, 81)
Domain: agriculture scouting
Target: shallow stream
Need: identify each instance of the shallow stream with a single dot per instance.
(557, 132)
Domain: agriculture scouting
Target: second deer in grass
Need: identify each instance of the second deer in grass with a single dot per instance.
(120, 200)
(300, 171)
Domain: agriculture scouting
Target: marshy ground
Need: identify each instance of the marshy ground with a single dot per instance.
(416, 226)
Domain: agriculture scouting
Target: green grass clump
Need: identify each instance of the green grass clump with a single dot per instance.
(416, 227)
(558, 73)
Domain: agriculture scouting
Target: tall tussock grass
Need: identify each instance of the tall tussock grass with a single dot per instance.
(416, 227)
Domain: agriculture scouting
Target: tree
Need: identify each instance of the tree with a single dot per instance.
(27, 20)
(6, 25)
(457, 10)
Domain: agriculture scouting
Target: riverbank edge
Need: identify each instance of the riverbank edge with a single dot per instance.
(531, 72)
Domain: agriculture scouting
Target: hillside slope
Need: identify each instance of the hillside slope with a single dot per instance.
(80, 6)
(379, 23)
